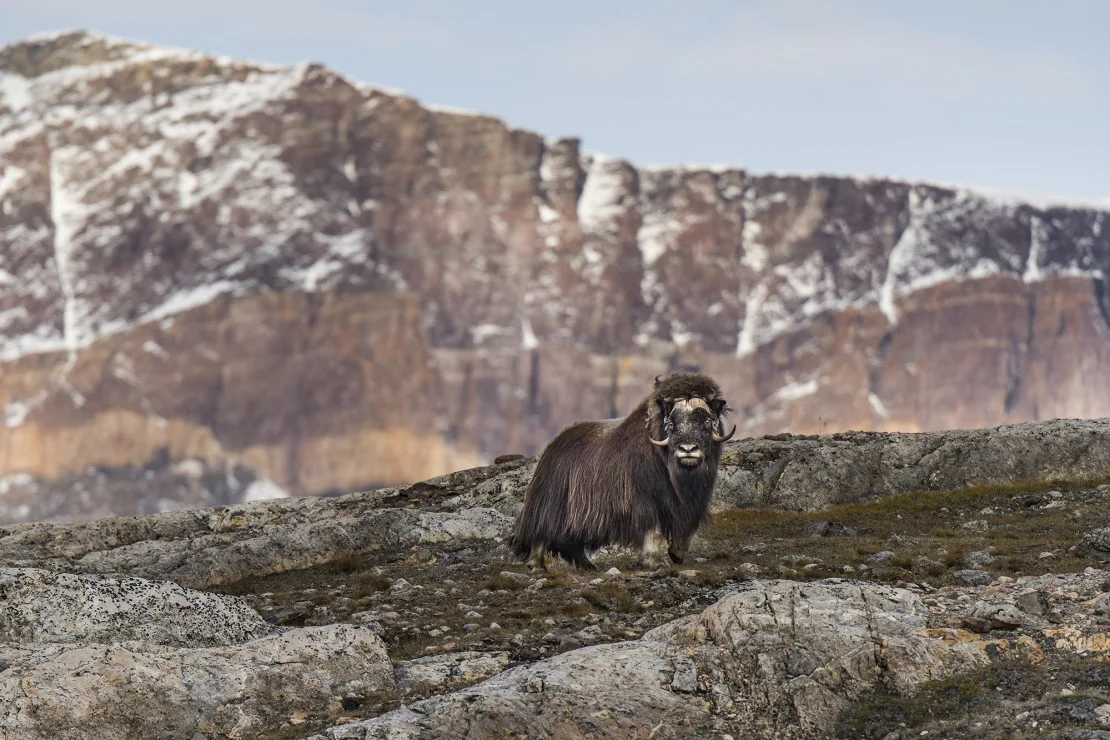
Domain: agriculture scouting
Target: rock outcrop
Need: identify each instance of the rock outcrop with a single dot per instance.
(247, 690)
(43, 607)
(773, 658)
(206, 547)
(340, 288)
(91, 658)
(776, 659)
(809, 473)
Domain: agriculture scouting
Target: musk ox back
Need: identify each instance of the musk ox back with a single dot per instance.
(631, 481)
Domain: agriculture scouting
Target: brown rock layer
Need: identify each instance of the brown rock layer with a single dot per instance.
(303, 387)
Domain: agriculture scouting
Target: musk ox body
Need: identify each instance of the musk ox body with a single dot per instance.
(633, 481)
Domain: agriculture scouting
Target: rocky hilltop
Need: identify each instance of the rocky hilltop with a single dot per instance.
(341, 288)
(867, 585)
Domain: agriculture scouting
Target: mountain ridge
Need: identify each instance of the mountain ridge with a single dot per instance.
(149, 52)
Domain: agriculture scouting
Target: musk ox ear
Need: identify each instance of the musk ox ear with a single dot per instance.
(658, 380)
(720, 406)
(657, 414)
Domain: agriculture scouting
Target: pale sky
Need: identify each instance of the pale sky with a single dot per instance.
(1004, 94)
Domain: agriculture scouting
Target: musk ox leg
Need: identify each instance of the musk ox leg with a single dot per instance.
(538, 562)
(576, 554)
(653, 548)
(679, 547)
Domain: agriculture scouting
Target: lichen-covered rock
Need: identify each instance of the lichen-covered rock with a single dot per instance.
(770, 659)
(439, 673)
(204, 547)
(973, 577)
(999, 616)
(1096, 544)
(38, 606)
(979, 559)
(468, 524)
(81, 692)
(810, 473)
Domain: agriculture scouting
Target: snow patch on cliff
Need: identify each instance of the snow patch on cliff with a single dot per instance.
(657, 233)
(10, 177)
(1037, 237)
(603, 196)
(67, 214)
(16, 412)
(528, 337)
(15, 92)
(792, 391)
(263, 489)
(877, 405)
(189, 298)
(994, 195)
(747, 340)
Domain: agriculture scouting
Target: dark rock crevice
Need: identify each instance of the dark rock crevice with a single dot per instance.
(874, 380)
(1021, 349)
(1102, 301)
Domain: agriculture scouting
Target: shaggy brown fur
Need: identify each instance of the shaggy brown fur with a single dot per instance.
(601, 483)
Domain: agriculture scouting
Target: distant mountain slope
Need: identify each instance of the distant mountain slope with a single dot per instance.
(339, 287)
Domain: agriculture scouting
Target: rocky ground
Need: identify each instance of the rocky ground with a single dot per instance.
(1003, 569)
(982, 611)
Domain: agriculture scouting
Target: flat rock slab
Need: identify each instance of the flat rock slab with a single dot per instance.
(771, 659)
(807, 473)
(480, 523)
(50, 691)
(38, 606)
(439, 673)
(208, 547)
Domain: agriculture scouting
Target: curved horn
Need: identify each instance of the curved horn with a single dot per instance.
(657, 443)
(725, 438)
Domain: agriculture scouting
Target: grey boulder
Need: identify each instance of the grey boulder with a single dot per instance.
(136, 690)
(40, 606)
(770, 659)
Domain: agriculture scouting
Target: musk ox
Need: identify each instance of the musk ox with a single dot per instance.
(633, 481)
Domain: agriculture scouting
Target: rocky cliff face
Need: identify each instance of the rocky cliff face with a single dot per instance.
(340, 288)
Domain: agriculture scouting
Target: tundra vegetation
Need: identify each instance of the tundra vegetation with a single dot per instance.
(455, 596)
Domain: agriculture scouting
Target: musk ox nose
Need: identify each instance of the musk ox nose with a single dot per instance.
(688, 455)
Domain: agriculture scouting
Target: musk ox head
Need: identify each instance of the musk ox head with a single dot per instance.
(686, 420)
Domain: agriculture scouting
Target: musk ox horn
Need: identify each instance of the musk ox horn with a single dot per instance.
(726, 438)
(658, 443)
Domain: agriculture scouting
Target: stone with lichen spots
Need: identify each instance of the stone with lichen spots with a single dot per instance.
(41, 606)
